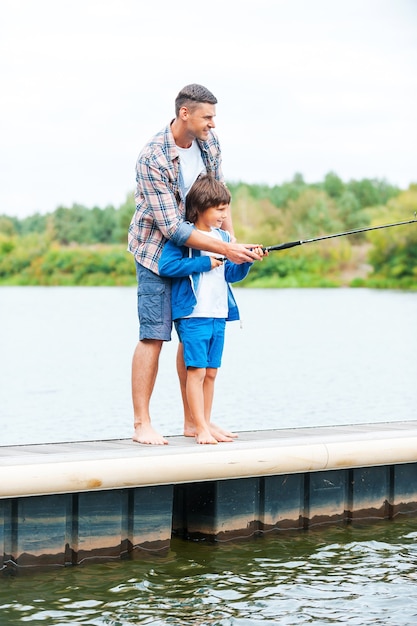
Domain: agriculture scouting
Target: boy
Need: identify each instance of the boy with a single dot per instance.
(202, 300)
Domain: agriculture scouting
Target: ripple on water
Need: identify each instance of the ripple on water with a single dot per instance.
(346, 575)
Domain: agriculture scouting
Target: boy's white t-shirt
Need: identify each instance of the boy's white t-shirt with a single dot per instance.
(212, 296)
(191, 164)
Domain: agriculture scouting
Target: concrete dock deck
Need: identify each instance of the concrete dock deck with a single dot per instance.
(39, 469)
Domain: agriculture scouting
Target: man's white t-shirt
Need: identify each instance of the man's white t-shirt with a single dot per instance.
(191, 164)
(212, 296)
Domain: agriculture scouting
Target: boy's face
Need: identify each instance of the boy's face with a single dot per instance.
(212, 217)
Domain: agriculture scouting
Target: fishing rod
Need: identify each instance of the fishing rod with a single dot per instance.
(292, 244)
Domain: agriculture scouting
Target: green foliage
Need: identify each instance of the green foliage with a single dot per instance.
(17, 254)
(7, 245)
(72, 225)
(36, 223)
(81, 246)
(372, 192)
(8, 225)
(73, 265)
(333, 185)
(278, 195)
(124, 216)
(394, 252)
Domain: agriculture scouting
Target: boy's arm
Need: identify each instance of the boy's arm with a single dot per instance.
(233, 273)
(172, 262)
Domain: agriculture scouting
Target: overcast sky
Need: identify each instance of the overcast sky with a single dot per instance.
(307, 86)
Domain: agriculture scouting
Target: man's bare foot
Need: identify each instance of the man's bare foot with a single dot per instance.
(145, 433)
(218, 433)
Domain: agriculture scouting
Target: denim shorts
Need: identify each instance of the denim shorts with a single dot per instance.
(154, 305)
(202, 339)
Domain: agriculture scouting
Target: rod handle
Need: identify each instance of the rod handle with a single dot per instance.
(283, 246)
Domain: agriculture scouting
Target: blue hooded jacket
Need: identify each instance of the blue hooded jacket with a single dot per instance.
(184, 265)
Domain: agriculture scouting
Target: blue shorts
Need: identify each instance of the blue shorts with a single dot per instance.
(154, 305)
(202, 339)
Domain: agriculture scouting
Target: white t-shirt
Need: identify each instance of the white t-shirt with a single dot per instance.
(212, 297)
(191, 164)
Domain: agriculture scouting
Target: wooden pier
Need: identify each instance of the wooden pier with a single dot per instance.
(61, 504)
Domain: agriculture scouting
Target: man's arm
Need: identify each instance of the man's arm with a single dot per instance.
(158, 190)
(236, 252)
(228, 224)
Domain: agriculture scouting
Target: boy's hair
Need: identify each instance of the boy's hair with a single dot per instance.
(205, 193)
(193, 95)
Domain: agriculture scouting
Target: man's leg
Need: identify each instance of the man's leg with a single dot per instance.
(154, 312)
(144, 370)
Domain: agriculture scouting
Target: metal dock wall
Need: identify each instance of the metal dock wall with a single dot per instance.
(61, 504)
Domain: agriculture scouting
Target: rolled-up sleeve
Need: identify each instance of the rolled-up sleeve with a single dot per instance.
(159, 193)
(182, 234)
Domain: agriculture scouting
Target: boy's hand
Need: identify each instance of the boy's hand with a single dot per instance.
(216, 262)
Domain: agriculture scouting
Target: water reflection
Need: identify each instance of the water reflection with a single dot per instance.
(348, 574)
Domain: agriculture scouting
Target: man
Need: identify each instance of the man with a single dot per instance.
(165, 170)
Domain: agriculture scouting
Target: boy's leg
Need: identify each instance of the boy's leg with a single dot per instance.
(196, 401)
(189, 428)
(208, 390)
(218, 433)
(189, 425)
(215, 354)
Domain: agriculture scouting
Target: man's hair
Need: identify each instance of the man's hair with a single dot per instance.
(205, 193)
(193, 95)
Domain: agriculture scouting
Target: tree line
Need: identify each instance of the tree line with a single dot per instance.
(78, 245)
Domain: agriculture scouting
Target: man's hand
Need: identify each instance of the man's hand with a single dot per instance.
(244, 252)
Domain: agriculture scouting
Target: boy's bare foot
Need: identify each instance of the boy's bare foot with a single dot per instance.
(145, 433)
(218, 433)
(205, 437)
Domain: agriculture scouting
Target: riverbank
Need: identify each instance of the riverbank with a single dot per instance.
(111, 266)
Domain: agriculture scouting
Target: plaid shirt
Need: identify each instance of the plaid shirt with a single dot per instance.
(160, 203)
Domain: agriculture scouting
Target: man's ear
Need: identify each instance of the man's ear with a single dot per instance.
(184, 113)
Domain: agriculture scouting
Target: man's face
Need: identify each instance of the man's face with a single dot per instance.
(201, 120)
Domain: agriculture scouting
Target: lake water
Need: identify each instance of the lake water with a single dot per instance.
(355, 576)
(302, 358)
